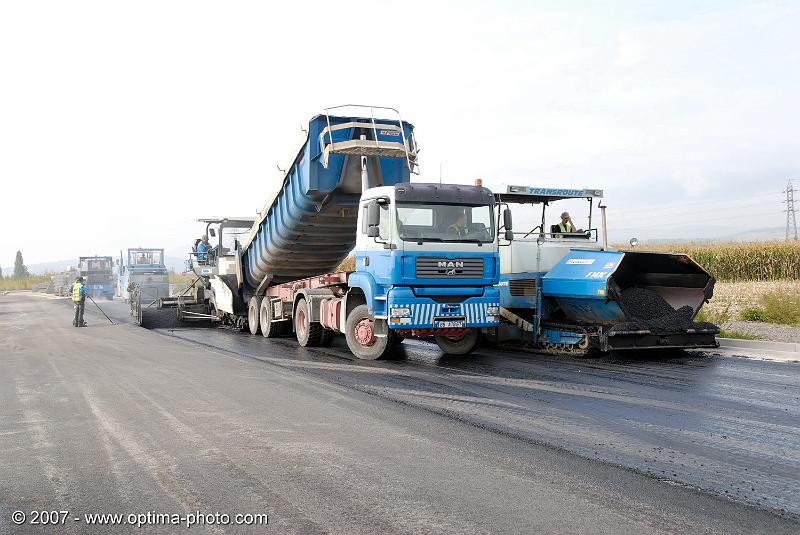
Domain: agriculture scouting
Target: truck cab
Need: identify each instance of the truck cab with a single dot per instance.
(426, 262)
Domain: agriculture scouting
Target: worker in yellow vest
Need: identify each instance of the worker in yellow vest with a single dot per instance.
(79, 300)
(565, 227)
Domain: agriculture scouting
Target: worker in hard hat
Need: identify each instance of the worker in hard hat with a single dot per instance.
(564, 227)
(79, 300)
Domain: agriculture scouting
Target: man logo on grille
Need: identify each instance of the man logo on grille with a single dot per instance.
(450, 264)
(451, 272)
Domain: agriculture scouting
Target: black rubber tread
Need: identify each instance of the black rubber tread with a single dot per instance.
(314, 331)
(461, 347)
(254, 309)
(377, 351)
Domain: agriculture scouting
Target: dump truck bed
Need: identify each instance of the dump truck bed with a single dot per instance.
(308, 226)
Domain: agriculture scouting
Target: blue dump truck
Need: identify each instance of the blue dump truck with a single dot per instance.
(98, 275)
(426, 259)
(565, 291)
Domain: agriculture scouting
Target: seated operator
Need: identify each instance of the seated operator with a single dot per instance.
(203, 250)
(459, 228)
(565, 227)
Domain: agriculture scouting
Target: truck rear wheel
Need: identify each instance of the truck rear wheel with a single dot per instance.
(253, 309)
(359, 332)
(458, 346)
(309, 333)
(269, 328)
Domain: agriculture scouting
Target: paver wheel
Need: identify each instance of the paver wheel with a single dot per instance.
(253, 310)
(359, 332)
(309, 333)
(459, 346)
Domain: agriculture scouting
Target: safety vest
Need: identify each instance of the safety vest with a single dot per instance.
(76, 292)
(563, 227)
(461, 231)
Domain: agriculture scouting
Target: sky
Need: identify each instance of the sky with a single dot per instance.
(123, 123)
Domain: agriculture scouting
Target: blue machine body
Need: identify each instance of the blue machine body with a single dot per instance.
(145, 268)
(310, 226)
(393, 290)
(579, 284)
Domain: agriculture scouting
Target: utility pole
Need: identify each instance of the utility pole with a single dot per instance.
(791, 221)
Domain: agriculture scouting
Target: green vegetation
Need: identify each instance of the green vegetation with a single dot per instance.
(20, 270)
(181, 281)
(22, 283)
(738, 335)
(775, 308)
(348, 264)
(734, 262)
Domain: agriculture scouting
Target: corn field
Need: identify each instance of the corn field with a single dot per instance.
(735, 262)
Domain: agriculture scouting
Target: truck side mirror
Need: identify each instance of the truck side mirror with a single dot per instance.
(373, 219)
(212, 232)
(508, 224)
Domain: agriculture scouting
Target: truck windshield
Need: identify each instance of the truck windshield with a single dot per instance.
(145, 257)
(445, 222)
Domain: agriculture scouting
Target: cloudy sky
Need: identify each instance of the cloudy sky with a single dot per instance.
(122, 123)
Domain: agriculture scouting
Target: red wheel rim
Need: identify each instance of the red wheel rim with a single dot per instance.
(301, 323)
(365, 332)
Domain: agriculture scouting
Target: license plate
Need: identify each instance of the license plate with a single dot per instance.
(449, 324)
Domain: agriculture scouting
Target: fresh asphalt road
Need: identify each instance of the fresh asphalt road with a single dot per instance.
(118, 419)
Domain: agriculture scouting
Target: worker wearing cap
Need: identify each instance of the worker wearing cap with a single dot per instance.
(564, 227)
(203, 250)
(79, 300)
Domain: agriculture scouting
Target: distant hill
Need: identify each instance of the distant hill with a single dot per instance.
(174, 263)
(45, 267)
(708, 234)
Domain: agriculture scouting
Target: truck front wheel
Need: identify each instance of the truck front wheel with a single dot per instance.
(458, 346)
(359, 332)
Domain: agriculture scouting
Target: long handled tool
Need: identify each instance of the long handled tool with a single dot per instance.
(101, 310)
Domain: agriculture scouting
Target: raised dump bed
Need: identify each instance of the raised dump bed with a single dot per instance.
(309, 224)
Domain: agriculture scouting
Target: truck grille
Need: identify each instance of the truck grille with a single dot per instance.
(449, 268)
(522, 287)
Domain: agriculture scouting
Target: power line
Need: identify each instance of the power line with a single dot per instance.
(791, 220)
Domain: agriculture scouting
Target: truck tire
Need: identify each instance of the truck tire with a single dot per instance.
(462, 346)
(309, 333)
(268, 328)
(253, 309)
(359, 333)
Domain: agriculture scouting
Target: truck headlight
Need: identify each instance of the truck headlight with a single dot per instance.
(400, 312)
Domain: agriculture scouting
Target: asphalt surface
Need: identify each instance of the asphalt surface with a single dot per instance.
(119, 419)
